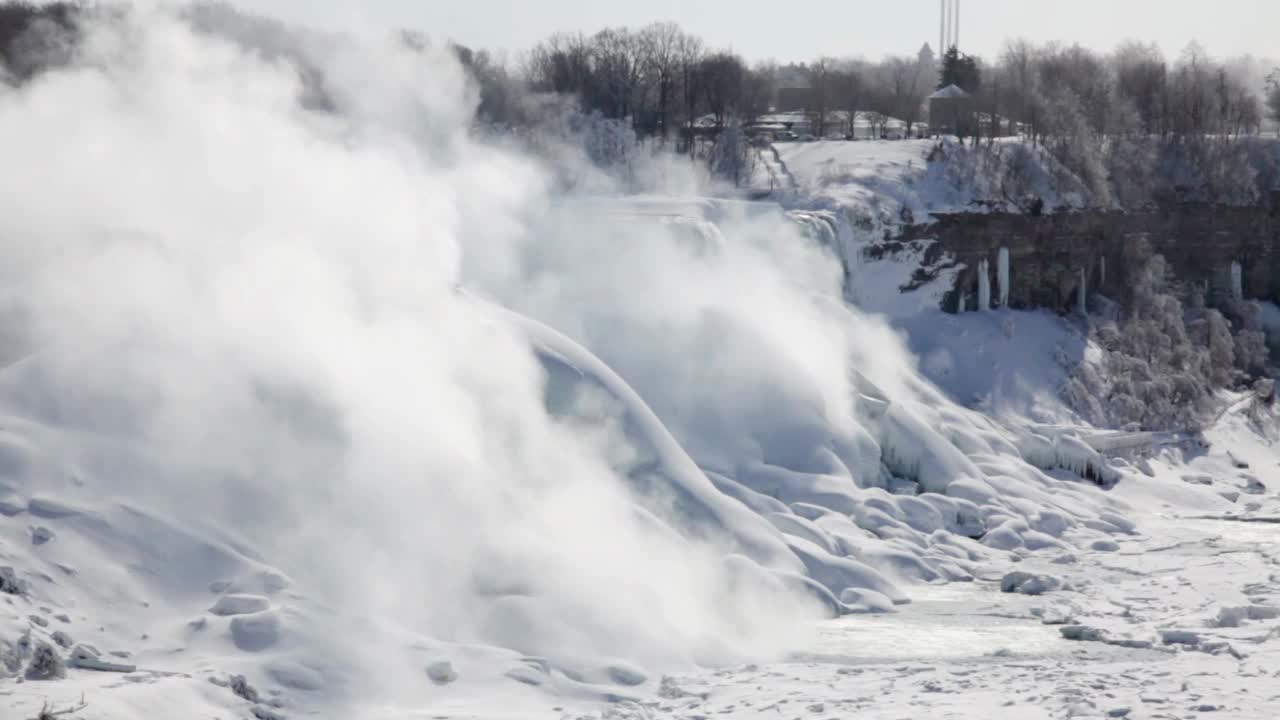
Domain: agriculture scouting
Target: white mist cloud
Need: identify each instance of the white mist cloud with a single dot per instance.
(264, 296)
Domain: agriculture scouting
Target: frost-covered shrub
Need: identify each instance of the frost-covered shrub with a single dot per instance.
(1162, 362)
(1073, 141)
(1128, 168)
(1159, 363)
(1222, 350)
(46, 663)
(1251, 349)
(1130, 162)
(10, 583)
(1252, 354)
(584, 151)
(1212, 169)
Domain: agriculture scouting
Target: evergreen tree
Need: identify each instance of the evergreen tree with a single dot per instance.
(960, 70)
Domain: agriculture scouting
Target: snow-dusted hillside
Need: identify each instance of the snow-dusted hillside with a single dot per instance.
(1008, 364)
(345, 413)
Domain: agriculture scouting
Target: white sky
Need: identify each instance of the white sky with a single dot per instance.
(808, 28)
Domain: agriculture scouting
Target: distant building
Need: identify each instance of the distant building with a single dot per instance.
(951, 112)
(927, 58)
(791, 99)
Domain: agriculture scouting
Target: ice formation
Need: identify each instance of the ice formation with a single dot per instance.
(1005, 278)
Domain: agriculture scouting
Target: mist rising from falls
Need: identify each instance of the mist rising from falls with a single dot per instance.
(252, 305)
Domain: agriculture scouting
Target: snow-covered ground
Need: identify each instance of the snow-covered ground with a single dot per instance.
(364, 420)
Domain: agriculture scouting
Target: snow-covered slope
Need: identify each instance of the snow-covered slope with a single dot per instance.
(1009, 364)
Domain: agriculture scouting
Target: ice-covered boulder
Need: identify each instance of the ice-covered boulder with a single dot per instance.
(1030, 584)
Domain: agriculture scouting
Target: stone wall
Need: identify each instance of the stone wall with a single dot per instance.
(1049, 254)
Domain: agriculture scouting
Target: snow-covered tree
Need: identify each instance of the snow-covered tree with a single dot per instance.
(732, 158)
(1159, 364)
(1075, 142)
(1273, 95)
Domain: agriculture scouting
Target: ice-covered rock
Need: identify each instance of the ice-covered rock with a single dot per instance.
(261, 582)
(1004, 537)
(799, 527)
(840, 573)
(441, 672)
(256, 632)
(1067, 452)
(1229, 617)
(240, 604)
(622, 673)
(296, 676)
(87, 657)
(1083, 633)
(1029, 584)
(1179, 637)
(52, 508)
(10, 583)
(867, 600)
(11, 505)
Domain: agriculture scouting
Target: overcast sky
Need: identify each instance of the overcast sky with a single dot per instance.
(803, 30)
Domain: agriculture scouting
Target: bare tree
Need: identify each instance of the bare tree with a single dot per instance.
(907, 81)
(1141, 76)
(689, 54)
(722, 75)
(1191, 92)
(1021, 66)
(820, 79)
(562, 65)
(758, 88)
(618, 65)
(1082, 74)
(847, 85)
(1273, 96)
(660, 44)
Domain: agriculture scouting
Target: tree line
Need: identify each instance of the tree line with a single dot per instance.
(1055, 90)
(661, 80)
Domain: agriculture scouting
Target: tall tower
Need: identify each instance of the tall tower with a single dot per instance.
(942, 28)
(949, 25)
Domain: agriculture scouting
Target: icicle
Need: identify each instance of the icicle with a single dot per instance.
(1002, 267)
(984, 286)
(1082, 299)
(1237, 281)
